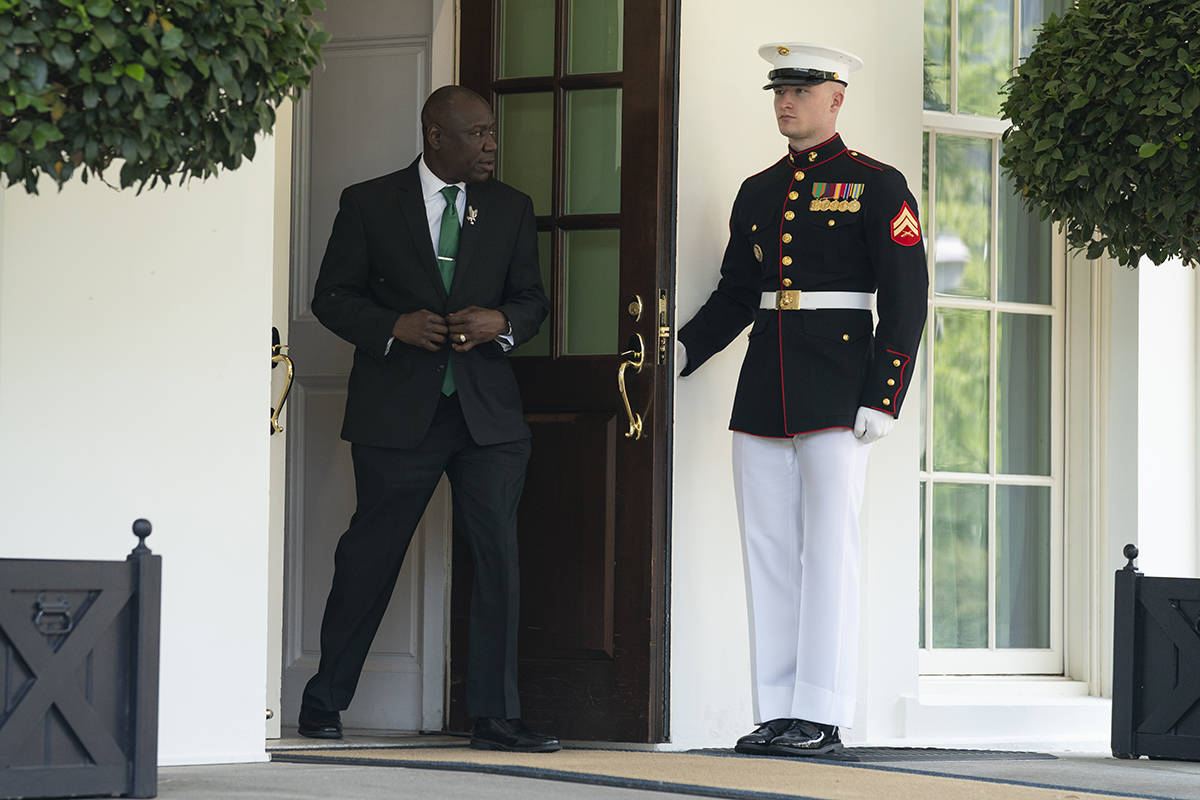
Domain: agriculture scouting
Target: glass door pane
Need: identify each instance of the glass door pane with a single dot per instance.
(985, 34)
(937, 55)
(1023, 394)
(1022, 566)
(1024, 250)
(963, 216)
(526, 38)
(526, 155)
(595, 42)
(960, 390)
(960, 565)
(592, 278)
(594, 151)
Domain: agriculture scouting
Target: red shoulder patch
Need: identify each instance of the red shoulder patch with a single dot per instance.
(906, 230)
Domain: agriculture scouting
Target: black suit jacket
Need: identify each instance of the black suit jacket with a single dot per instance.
(380, 263)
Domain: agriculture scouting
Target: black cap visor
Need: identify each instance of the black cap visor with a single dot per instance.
(800, 77)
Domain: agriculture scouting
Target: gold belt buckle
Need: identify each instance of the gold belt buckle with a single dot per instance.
(787, 299)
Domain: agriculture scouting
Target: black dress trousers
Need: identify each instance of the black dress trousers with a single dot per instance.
(393, 487)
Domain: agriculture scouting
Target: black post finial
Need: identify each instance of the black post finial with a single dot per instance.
(141, 529)
(1131, 552)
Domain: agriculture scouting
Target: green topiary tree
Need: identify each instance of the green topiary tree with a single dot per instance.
(1104, 128)
(174, 87)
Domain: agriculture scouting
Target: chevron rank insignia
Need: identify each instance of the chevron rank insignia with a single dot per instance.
(906, 230)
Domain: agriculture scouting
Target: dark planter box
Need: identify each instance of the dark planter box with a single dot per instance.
(79, 675)
(1156, 665)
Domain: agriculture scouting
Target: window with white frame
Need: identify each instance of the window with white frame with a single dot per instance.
(991, 485)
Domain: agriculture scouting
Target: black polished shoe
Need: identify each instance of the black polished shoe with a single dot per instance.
(511, 735)
(756, 742)
(804, 738)
(317, 724)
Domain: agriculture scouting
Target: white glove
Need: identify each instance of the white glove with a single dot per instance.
(870, 424)
(680, 357)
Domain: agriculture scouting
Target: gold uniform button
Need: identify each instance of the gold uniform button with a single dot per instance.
(790, 215)
(853, 153)
(896, 363)
(887, 402)
(787, 261)
(793, 195)
(787, 237)
(753, 228)
(787, 282)
(891, 382)
(799, 175)
(832, 223)
(845, 337)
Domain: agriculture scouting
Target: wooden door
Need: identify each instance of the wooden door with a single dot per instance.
(584, 98)
(360, 119)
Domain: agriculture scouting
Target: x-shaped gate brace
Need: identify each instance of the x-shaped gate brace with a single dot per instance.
(53, 682)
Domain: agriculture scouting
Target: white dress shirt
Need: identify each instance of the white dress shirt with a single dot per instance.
(435, 206)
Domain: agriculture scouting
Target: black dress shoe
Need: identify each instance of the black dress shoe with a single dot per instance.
(804, 738)
(492, 733)
(756, 742)
(317, 724)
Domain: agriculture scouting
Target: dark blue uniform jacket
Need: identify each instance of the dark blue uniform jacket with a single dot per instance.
(825, 219)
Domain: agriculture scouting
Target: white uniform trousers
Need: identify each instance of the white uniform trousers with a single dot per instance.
(798, 503)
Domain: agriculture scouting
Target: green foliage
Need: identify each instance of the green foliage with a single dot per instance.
(173, 87)
(1104, 128)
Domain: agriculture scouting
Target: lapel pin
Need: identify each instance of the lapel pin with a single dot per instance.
(472, 214)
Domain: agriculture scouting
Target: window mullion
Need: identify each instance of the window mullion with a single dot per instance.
(952, 56)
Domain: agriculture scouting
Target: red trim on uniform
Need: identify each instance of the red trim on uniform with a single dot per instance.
(900, 383)
(872, 166)
(814, 147)
(801, 433)
(826, 161)
(887, 411)
(779, 312)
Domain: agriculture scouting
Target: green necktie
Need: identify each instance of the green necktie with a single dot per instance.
(447, 251)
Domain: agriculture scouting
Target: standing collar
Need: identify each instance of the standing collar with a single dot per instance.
(431, 184)
(818, 154)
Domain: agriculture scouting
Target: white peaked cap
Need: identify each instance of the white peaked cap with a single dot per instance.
(802, 63)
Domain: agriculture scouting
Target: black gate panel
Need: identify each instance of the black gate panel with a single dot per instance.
(1156, 665)
(79, 675)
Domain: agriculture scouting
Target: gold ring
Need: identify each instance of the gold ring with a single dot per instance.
(462, 337)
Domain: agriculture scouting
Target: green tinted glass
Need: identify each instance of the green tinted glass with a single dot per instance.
(1024, 250)
(539, 345)
(960, 565)
(1022, 566)
(526, 123)
(937, 55)
(1023, 394)
(1033, 14)
(592, 275)
(985, 39)
(526, 38)
(594, 41)
(963, 216)
(960, 390)
(594, 151)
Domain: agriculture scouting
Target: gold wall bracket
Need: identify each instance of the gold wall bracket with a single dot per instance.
(664, 327)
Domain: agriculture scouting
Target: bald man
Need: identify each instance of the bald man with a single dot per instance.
(432, 274)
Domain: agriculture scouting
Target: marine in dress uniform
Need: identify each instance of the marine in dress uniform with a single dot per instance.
(816, 241)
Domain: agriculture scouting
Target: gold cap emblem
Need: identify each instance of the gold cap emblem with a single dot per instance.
(783, 51)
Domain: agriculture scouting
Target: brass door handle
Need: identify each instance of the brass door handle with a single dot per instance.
(634, 357)
(280, 357)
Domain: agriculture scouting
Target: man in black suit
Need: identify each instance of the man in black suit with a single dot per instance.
(432, 274)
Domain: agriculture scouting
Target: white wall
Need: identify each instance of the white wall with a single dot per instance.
(134, 381)
(1167, 418)
(727, 132)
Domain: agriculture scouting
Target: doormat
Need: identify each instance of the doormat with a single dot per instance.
(702, 774)
(880, 755)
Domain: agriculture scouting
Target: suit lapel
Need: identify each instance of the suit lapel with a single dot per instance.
(468, 241)
(412, 208)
